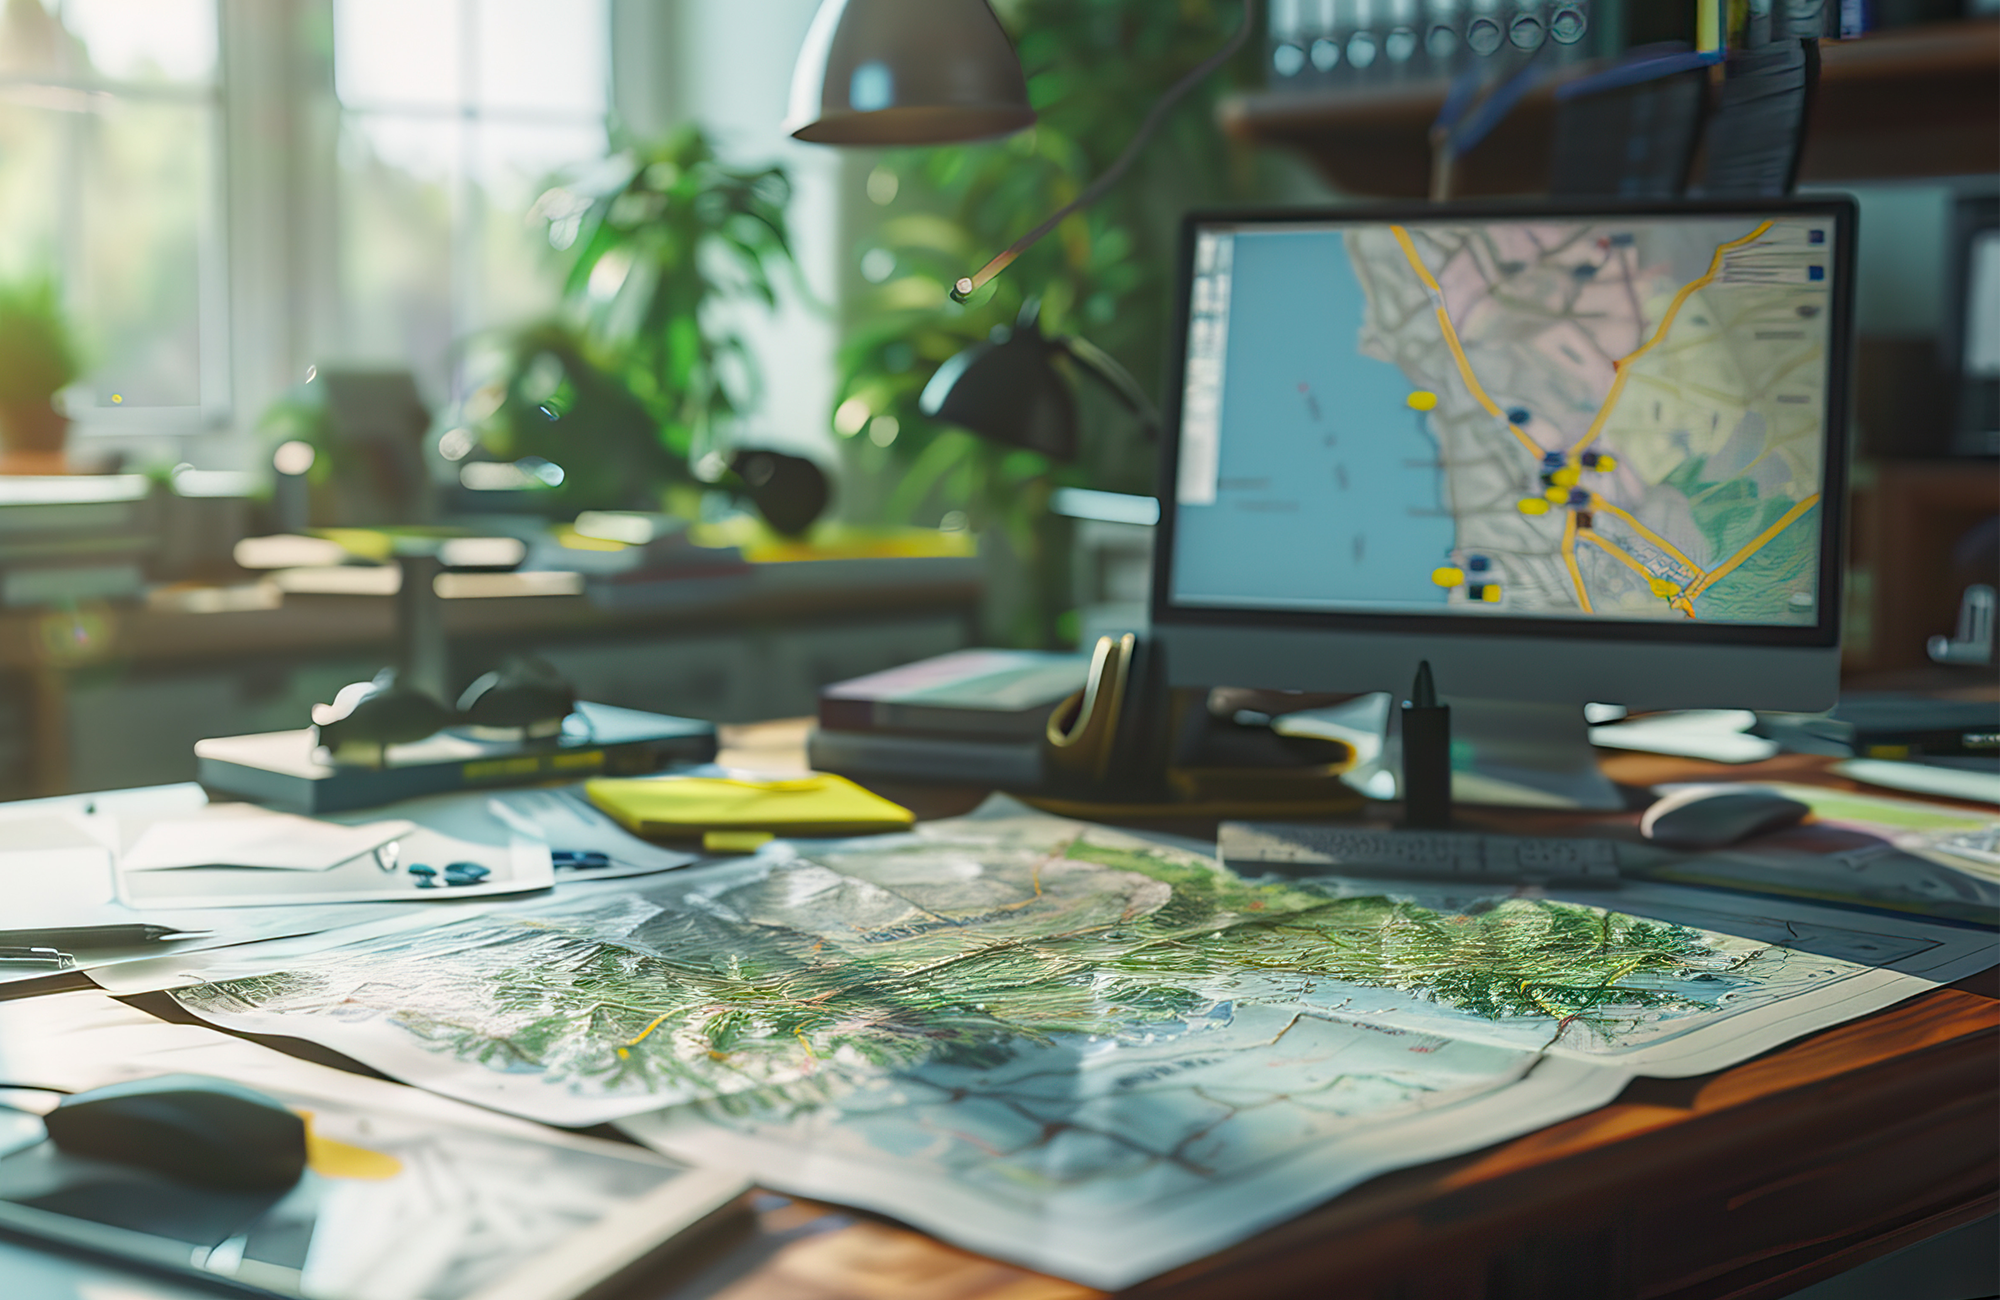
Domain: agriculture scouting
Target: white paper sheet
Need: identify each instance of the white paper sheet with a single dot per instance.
(515, 866)
(244, 835)
(51, 867)
(558, 816)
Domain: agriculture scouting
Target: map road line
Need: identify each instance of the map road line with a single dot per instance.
(1626, 558)
(1666, 323)
(1569, 558)
(1757, 543)
(1599, 503)
(1451, 341)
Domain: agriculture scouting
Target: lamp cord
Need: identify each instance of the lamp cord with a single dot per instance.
(971, 284)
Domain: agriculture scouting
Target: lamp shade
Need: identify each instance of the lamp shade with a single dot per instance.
(1007, 390)
(901, 72)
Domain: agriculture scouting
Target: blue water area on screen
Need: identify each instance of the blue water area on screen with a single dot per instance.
(1329, 489)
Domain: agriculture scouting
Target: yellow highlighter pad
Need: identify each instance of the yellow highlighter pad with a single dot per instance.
(686, 807)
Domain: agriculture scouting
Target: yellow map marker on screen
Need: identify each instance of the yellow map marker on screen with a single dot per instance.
(1447, 576)
(1534, 506)
(1422, 401)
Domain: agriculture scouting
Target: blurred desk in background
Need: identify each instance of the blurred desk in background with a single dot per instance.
(110, 695)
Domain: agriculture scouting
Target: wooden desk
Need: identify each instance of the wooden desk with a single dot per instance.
(1748, 1183)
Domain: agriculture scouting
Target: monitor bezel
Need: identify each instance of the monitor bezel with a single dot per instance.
(1824, 632)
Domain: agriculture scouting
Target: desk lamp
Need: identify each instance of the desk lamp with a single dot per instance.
(1007, 389)
(921, 72)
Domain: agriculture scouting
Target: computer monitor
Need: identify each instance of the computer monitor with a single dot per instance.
(1565, 453)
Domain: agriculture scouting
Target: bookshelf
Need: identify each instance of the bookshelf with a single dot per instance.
(1915, 102)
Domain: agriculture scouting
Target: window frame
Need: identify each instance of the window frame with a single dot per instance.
(214, 411)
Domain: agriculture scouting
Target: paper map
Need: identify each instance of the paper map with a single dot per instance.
(1093, 1052)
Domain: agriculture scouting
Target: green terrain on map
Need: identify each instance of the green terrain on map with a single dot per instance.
(1731, 514)
(881, 959)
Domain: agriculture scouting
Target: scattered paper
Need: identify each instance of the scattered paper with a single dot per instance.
(51, 869)
(559, 817)
(514, 866)
(570, 823)
(1096, 1052)
(244, 835)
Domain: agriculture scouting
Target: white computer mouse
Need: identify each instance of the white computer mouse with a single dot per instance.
(1716, 816)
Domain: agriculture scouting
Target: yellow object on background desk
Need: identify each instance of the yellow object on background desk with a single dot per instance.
(688, 807)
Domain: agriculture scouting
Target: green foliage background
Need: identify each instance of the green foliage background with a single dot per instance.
(1094, 69)
(636, 382)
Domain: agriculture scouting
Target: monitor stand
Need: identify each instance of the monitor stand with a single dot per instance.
(1521, 753)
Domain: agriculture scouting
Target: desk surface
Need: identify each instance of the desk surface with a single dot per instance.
(1750, 1182)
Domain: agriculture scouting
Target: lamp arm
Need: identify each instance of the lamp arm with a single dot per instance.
(971, 284)
(1103, 367)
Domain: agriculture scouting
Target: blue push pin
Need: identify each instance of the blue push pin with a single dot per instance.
(425, 873)
(465, 873)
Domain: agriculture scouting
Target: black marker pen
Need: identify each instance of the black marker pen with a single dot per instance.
(1426, 755)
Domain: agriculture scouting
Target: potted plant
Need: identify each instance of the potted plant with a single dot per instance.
(634, 388)
(37, 361)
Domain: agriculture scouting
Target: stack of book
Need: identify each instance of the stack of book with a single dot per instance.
(975, 717)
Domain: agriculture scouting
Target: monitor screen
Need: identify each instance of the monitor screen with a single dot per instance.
(1600, 418)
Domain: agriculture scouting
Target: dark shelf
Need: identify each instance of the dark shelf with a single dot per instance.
(1922, 101)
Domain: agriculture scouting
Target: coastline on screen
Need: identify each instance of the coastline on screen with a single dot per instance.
(1588, 418)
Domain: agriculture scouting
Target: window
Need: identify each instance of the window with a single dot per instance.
(452, 115)
(110, 180)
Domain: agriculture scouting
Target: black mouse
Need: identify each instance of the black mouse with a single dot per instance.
(1716, 816)
(186, 1126)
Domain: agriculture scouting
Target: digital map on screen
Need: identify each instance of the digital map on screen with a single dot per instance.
(1542, 418)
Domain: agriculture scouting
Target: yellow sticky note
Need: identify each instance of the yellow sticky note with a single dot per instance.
(691, 807)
